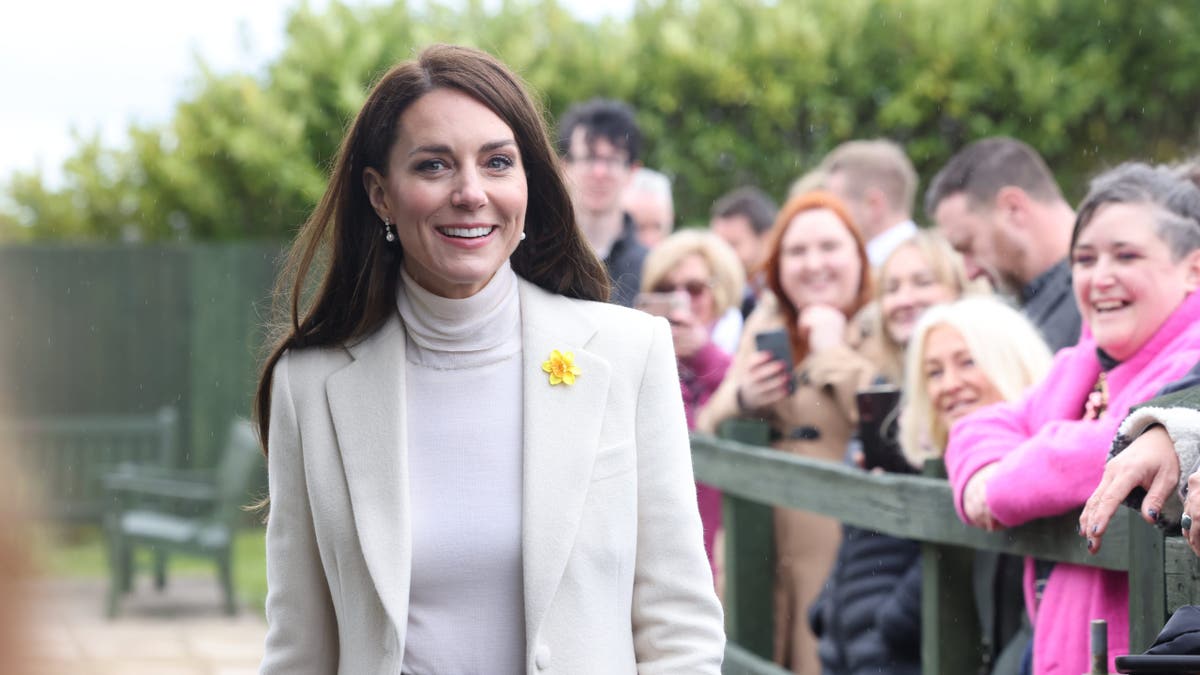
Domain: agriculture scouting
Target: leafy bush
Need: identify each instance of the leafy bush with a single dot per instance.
(729, 93)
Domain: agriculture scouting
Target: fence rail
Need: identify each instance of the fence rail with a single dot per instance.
(1163, 572)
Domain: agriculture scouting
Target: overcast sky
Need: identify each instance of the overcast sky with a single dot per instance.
(96, 66)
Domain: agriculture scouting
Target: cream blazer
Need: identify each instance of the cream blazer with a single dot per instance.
(615, 576)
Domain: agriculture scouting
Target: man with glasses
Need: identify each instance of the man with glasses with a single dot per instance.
(600, 144)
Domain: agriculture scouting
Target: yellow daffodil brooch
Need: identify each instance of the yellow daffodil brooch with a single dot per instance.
(561, 366)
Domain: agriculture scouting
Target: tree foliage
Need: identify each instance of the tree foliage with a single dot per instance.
(728, 93)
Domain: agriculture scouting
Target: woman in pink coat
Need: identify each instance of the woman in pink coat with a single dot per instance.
(1135, 262)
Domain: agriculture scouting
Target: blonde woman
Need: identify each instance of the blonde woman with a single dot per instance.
(956, 364)
(921, 272)
(704, 275)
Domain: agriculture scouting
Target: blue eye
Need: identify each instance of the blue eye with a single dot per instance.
(500, 162)
(431, 165)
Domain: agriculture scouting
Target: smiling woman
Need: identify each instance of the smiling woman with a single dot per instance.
(819, 276)
(473, 466)
(921, 272)
(957, 363)
(455, 191)
(1135, 268)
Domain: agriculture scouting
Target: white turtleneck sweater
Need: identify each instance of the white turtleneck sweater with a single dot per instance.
(464, 410)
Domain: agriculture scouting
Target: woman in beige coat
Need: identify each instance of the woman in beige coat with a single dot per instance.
(819, 277)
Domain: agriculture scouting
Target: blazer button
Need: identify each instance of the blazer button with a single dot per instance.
(541, 657)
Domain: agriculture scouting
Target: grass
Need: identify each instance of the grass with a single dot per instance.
(78, 552)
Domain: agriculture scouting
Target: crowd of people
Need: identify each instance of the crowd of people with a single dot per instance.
(437, 505)
(1022, 334)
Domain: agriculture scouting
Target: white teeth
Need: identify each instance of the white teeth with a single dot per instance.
(465, 232)
(1108, 305)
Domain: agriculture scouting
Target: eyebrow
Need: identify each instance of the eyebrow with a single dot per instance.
(445, 149)
(1114, 244)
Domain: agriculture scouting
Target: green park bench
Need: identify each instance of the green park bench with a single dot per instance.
(194, 512)
(1164, 574)
(63, 457)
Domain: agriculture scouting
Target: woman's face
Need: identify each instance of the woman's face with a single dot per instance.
(455, 189)
(910, 286)
(692, 274)
(818, 261)
(1125, 282)
(955, 384)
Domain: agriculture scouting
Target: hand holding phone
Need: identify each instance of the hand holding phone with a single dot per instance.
(778, 344)
(877, 429)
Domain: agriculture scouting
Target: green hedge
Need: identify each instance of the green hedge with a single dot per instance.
(750, 91)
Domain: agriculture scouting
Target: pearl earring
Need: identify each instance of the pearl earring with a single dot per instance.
(389, 231)
(522, 235)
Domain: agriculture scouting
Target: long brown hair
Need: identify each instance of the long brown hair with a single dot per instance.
(811, 201)
(357, 291)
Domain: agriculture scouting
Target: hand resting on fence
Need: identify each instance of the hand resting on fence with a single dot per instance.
(1152, 448)
(1149, 463)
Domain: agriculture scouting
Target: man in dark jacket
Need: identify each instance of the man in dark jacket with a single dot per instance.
(600, 144)
(998, 205)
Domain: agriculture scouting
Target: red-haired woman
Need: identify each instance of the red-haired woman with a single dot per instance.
(819, 277)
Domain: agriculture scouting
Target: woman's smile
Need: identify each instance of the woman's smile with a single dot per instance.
(467, 236)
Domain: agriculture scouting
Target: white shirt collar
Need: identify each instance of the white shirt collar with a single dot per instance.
(880, 247)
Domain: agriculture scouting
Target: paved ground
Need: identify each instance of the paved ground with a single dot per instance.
(179, 632)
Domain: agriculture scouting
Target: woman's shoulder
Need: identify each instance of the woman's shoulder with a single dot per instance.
(605, 316)
(621, 326)
(312, 363)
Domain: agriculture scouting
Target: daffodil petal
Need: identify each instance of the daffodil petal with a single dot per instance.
(561, 367)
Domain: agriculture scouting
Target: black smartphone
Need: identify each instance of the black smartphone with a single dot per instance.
(878, 429)
(779, 344)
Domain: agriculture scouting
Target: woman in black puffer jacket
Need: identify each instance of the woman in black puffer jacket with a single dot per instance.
(868, 617)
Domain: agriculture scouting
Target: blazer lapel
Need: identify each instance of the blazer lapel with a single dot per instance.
(367, 404)
(561, 433)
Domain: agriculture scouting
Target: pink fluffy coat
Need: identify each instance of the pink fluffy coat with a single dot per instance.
(1048, 463)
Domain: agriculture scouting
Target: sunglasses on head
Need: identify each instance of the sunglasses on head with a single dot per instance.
(694, 287)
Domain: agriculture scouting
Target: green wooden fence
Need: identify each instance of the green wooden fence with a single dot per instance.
(117, 330)
(63, 458)
(1163, 572)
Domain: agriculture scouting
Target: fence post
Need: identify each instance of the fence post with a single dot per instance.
(1147, 582)
(749, 555)
(949, 624)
